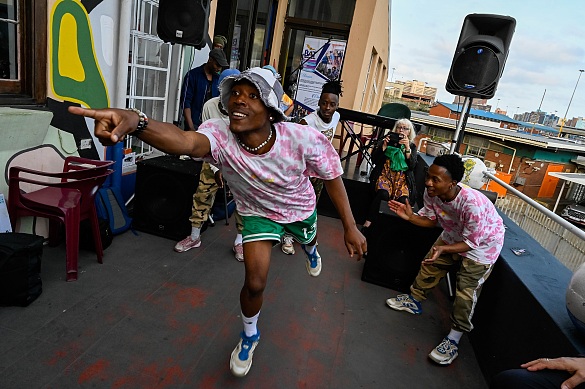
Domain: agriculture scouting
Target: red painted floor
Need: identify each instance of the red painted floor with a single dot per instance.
(152, 318)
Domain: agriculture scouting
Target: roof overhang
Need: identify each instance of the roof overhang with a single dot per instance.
(499, 133)
(577, 178)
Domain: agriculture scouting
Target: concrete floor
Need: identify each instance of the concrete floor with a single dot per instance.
(152, 318)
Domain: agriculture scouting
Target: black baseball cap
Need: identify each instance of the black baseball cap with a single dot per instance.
(219, 56)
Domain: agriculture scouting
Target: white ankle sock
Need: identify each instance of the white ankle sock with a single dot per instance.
(238, 239)
(195, 232)
(310, 249)
(455, 335)
(250, 328)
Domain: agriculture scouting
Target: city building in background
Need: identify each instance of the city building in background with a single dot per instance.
(417, 95)
(481, 104)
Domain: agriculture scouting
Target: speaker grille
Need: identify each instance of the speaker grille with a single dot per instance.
(183, 21)
(164, 196)
(476, 69)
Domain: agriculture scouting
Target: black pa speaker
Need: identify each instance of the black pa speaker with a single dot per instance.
(480, 55)
(183, 21)
(396, 249)
(164, 196)
(359, 195)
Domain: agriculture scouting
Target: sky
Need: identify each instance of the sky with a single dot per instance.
(546, 53)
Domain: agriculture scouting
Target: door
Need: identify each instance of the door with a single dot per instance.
(549, 183)
(248, 24)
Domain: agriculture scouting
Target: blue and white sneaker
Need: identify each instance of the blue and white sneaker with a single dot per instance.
(405, 302)
(241, 359)
(445, 352)
(313, 262)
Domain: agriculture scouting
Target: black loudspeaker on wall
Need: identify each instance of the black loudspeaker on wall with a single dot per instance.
(164, 196)
(183, 21)
(480, 55)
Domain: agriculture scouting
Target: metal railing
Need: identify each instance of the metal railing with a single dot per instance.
(562, 239)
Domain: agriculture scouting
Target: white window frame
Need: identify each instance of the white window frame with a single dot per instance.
(143, 29)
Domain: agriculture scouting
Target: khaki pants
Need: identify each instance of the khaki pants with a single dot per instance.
(470, 279)
(204, 196)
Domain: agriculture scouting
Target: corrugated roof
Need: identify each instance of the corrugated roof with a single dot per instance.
(500, 133)
(498, 117)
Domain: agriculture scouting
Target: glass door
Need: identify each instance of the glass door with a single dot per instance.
(252, 32)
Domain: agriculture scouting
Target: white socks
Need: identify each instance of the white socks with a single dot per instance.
(250, 328)
(195, 232)
(455, 335)
(238, 239)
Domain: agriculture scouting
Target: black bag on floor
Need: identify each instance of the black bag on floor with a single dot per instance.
(86, 236)
(20, 268)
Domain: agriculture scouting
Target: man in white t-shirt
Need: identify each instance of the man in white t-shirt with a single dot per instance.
(324, 120)
(209, 183)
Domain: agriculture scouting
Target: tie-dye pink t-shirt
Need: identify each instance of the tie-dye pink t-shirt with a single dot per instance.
(469, 218)
(276, 184)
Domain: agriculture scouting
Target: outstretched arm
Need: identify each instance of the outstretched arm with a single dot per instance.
(112, 125)
(575, 366)
(406, 213)
(354, 240)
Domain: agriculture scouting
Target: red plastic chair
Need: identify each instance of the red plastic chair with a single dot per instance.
(67, 197)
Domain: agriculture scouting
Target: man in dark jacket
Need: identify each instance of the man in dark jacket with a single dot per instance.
(201, 84)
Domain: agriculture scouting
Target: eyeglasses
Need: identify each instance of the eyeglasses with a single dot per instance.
(402, 128)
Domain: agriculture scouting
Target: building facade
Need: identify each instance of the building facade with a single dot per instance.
(106, 53)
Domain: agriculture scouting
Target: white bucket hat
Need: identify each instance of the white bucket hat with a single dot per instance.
(271, 91)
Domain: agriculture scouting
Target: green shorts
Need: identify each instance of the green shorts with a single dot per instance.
(261, 228)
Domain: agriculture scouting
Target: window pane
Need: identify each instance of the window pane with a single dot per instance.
(8, 51)
(259, 33)
(334, 11)
(8, 41)
(8, 10)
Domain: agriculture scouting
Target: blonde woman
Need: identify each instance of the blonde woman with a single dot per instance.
(393, 174)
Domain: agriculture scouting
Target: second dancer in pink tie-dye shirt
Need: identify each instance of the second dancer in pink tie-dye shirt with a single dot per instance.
(472, 238)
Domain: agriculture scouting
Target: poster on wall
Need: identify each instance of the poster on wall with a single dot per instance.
(322, 62)
(235, 54)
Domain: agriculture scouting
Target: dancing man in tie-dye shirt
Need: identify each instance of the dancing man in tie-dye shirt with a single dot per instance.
(472, 238)
(268, 163)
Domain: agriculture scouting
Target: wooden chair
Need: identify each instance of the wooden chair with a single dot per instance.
(67, 197)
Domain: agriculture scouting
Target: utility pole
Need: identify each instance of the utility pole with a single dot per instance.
(565, 118)
(541, 100)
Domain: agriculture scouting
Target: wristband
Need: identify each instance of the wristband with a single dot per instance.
(407, 151)
(142, 122)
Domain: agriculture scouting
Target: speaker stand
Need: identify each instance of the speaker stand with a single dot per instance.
(459, 131)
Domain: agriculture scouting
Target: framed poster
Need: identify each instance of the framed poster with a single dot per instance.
(322, 61)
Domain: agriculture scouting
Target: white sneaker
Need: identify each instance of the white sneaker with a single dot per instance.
(241, 358)
(187, 244)
(405, 302)
(445, 353)
(313, 262)
(287, 244)
(239, 252)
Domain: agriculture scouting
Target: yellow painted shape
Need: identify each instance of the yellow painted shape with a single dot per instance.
(69, 62)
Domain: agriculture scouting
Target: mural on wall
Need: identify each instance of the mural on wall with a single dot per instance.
(75, 77)
(74, 73)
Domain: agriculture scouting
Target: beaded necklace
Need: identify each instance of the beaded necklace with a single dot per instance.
(253, 149)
